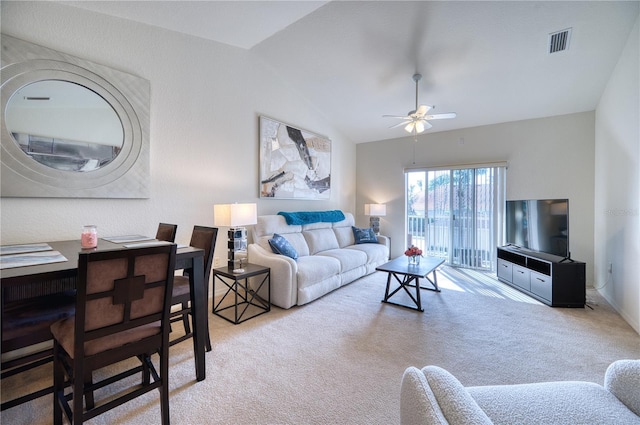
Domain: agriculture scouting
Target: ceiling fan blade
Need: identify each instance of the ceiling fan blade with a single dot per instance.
(404, 117)
(441, 116)
(422, 110)
(427, 125)
(400, 124)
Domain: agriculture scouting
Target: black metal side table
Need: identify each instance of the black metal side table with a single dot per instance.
(241, 302)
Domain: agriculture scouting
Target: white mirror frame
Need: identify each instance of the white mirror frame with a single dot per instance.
(127, 176)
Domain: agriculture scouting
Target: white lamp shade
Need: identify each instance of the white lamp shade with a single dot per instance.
(235, 215)
(378, 210)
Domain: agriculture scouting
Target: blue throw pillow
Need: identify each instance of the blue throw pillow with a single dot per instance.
(280, 245)
(364, 235)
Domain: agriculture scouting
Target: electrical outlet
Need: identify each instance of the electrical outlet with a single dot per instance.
(610, 268)
(216, 261)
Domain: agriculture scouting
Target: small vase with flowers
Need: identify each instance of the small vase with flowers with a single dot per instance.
(413, 254)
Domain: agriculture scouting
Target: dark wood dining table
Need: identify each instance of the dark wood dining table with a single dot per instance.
(21, 283)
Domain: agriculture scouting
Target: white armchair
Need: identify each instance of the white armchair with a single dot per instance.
(434, 396)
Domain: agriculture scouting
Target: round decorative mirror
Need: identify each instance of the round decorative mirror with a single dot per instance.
(64, 125)
(70, 128)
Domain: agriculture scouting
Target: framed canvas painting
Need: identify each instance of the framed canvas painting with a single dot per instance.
(294, 163)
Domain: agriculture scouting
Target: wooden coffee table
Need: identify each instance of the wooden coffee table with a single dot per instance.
(408, 276)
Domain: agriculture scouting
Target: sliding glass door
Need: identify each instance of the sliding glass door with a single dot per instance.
(453, 213)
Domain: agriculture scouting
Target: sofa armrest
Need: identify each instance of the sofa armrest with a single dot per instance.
(622, 379)
(457, 405)
(418, 404)
(385, 240)
(284, 282)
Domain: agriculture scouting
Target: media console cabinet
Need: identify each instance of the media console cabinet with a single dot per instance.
(547, 278)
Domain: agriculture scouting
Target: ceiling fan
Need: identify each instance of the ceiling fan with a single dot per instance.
(417, 121)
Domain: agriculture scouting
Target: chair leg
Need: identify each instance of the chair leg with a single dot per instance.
(208, 342)
(88, 396)
(78, 391)
(164, 389)
(58, 385)
(146, 371)
(208, 338)
(185, 318)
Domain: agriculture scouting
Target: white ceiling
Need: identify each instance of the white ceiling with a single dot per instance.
(354, 60)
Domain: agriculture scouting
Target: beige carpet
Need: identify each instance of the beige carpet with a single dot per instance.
(339, 360)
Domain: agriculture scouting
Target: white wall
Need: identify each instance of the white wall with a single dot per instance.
(617, 185)
(548, 158)
(206, 98)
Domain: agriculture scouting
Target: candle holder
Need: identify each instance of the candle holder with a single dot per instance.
(89, 237)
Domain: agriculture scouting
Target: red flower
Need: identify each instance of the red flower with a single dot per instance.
(412, 251)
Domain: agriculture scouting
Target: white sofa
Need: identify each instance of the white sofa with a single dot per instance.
(328, 258)
(434, 396)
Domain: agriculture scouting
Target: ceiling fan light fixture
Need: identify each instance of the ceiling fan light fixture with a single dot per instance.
(417, 120)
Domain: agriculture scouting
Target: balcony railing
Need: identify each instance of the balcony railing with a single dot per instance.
(434, 237)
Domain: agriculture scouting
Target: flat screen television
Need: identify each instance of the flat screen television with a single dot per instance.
(539, 225)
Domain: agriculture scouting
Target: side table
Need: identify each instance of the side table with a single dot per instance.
(240, 302)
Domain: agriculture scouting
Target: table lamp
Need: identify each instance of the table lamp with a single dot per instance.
(375, 211)
(236, 216)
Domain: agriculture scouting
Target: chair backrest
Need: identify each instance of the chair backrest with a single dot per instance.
(122, 290)
(205, 239)
(166, 232)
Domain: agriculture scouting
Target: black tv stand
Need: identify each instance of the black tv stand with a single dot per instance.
(553, 280)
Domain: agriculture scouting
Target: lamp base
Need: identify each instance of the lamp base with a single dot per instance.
(237, 248)
(374, 222)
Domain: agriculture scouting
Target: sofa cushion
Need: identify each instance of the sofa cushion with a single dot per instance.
(344, 235)
(364, 235)
(347, 222)
(314, 226)
(320, 240)
(270, 224)
(552, 403)
(316, 268)
(455, 402)
(349, 259)
(376, 253)
(280, 245)
(298, 242)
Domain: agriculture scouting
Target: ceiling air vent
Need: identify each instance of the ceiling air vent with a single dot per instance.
(559, 41)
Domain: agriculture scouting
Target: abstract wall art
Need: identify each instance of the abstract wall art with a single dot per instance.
(294, 163)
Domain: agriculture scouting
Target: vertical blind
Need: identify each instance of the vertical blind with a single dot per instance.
(456, 212)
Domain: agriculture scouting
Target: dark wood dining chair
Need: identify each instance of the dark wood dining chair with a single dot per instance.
(166, 232)
(204, 238)
(122, 311)
(25, 331)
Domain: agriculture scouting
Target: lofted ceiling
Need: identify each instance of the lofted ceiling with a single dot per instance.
(354, 60)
